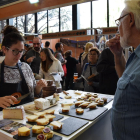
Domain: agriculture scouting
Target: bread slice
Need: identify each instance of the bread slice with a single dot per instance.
(77, 92)
(78, 103)
(50, 117)
(42, 121)
(65, 109)
(92, 105)
(40, 114)
(50, 111)
(48, 133)
(84, 104)
(79, 110)
(32, 118)
(23, 131)
(37, 129)
(56, 125)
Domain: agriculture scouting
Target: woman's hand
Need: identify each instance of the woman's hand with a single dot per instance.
(42, 83)
(7, 101)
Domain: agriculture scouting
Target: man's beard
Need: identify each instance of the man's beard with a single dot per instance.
(37, 48)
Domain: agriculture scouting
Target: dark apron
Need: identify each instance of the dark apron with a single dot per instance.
(7, 89)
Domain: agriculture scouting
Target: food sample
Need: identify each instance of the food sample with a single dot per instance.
(77, 92)
(52, 101)
(88, 95)
(56, 125)
(67, 104)
(91, 99)
(56, 96)
(42, 121)
(80, 99)
(37, 129)
(41, 137)
(92, 105)
(40, 114)
(49, 111)
(48, 133)
(84, 104)
(42, 103)
(23, 131)
(84, 97)
(78, 103)
(100, 102)
(79, 110)
(65, 109)
(67, 97)
(97, 99)
(104, 99)
(95, 95)
(14, 113)
(32, 118)
(50, 117)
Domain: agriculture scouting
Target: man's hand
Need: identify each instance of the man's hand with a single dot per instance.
(90, 83)
(29, 60)
(7, 101)
(114, 45)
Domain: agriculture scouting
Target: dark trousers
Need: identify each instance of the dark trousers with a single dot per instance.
(69, 83)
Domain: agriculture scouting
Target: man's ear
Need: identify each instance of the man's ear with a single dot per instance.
(132, 20)
(4, 49)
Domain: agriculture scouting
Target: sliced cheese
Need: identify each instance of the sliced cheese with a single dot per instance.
(56, 123)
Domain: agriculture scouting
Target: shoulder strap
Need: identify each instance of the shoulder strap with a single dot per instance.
(86, 66)
(0, 72)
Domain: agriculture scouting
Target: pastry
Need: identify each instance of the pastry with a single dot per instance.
(77, 92)
(65, 109)
(88, 95)
(37, 129)
(48, 133)
(104, 99)
(67, 97)
(41, 137)
(49, 111)
(56, 125)
(92, 105)
(78, 103)
(84, 104)
(50, 117)
(40, 114)
(23, 131)
(95, 95)
(42, 103)
(66, 104)
(42, 121)
(79, 110)
(32, 118)
(91, 99)
(100, 103)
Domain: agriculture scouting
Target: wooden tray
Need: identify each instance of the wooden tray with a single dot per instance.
(31, 108)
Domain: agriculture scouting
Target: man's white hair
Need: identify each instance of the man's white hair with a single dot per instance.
(134, 7)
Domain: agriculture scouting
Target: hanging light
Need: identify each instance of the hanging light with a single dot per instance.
(33, 1)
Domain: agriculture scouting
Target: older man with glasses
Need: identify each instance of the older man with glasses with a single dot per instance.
(125, 115)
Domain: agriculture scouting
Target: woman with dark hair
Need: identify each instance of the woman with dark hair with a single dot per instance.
(48, 65)
(89, 70)
(16, 78)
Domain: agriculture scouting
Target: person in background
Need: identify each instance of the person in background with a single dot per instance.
(47, 44)
(90, 69)
(125, 111)
(84, 58)
(81, 55)
(107, 73)
(33, 55)
(16, 76)
(50, 64)
(59, 55)
(71, 68)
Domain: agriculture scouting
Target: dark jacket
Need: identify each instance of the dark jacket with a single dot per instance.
(107, 74)
(71, 65)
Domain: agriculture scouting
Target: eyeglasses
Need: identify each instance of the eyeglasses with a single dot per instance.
(36, 43)
(117, 21)
(16, 51)
(92, 54)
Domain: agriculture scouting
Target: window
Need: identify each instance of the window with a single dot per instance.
(99, 12)
(21, 23)
(115, 9)
(13, 21)
(84, 15)
(66, 18)
(53, 19)
(42, 22)
(30, 23)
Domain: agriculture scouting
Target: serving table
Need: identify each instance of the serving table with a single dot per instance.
(98, 129)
